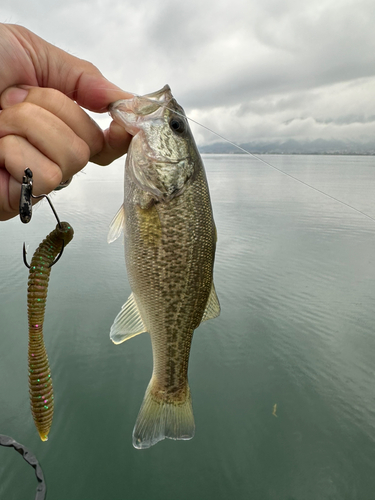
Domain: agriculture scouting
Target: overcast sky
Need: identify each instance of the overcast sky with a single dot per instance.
(249, 69)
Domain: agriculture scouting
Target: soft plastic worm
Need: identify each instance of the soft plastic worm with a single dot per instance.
(40, 381)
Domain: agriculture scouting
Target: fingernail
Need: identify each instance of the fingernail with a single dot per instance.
(13, 95)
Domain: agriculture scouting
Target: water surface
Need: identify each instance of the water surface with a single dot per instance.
(295, 275)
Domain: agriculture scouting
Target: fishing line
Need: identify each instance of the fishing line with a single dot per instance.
(273, 166)
(281, 171)
(258, 158)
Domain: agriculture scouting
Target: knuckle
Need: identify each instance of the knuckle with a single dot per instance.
(45, 97)
(9, 142)
(80, 154)
(16, 114)
(52, 176)
(24, 109)
(89, 66)
(11, 150)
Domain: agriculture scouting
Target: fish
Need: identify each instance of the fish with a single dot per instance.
(170, 241)
(39, 372)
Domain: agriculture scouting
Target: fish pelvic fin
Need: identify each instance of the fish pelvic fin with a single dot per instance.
(160, 419)
(117, 225)
(128, 323)
(212, 307)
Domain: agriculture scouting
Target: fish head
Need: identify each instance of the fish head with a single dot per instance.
(162, 157)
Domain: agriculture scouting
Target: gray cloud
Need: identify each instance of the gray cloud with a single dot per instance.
(246, 68)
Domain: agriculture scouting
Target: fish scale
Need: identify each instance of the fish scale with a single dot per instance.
(181, 268)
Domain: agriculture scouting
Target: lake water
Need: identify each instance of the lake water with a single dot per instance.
(282, 382)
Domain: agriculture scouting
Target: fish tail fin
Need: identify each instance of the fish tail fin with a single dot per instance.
(159, 419)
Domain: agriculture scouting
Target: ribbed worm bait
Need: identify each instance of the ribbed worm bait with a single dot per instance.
(40, 381)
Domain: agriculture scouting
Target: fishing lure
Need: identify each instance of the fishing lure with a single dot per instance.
(40, 381)
(46, 255)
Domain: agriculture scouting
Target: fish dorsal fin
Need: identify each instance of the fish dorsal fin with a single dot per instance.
(128, 323)
(117, 225)
(212, 307)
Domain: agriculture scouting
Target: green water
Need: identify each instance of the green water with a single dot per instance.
(295, 274)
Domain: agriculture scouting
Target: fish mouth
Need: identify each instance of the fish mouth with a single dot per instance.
(129, 113)
(144, 104)
(159, 94)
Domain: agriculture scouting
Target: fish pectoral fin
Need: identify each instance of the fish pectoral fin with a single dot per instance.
(128, 323)
(117, 225)
(212, 307)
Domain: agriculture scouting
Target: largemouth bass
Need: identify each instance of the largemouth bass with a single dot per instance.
(170, 241)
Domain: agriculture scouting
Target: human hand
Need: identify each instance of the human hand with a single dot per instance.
(41, 127)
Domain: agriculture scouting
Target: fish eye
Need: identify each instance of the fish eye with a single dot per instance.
(177, 125)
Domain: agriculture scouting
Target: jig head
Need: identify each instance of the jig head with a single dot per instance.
(26, 210)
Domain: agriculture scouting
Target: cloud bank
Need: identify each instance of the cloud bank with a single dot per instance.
(250, 70)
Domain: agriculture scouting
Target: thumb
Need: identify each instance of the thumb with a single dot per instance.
(75, 77)
(94, 92)
(83, 82)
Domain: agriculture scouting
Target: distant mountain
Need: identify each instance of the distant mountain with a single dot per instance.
(291, 146)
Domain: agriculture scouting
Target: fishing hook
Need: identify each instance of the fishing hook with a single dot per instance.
(26, 209)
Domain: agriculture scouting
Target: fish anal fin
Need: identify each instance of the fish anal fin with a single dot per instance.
(128, 323)
(158, 419)
(212, 307)
(117, 225)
